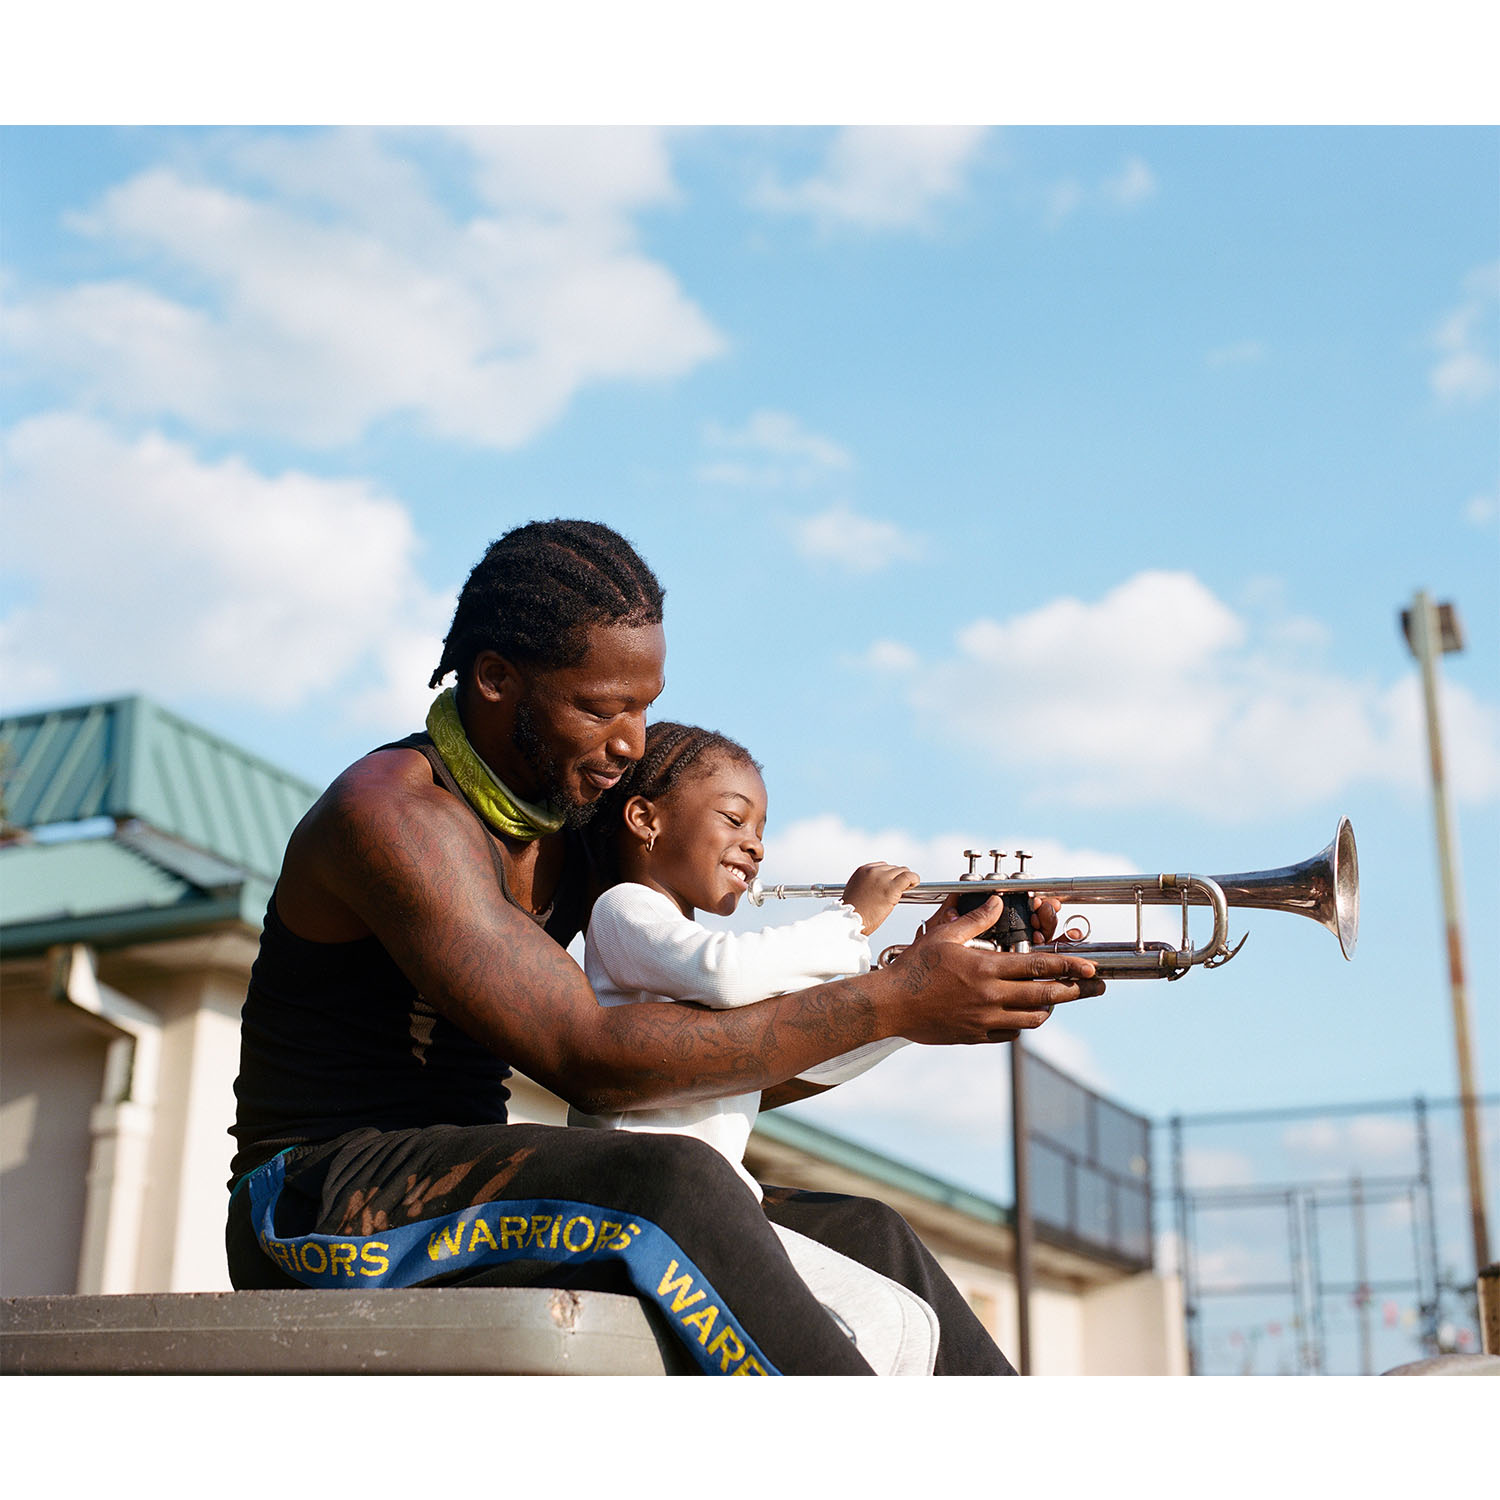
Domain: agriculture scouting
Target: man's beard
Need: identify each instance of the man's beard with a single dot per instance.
(542, 763)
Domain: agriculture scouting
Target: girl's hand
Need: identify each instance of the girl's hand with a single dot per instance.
(874, 890)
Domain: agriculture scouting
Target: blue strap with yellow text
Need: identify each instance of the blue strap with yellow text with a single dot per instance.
(548, 1229)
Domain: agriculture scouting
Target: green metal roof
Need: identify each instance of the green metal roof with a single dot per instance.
(191, 834)
(130, 759)
(114, 890)
(57, 880)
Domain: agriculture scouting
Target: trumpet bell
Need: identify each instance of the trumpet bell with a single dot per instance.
(1325, 888)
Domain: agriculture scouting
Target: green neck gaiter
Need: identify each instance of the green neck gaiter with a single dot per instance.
(505, 812)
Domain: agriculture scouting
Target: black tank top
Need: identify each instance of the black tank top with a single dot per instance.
(333, 1036)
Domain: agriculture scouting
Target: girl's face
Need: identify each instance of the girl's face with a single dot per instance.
(708, 836)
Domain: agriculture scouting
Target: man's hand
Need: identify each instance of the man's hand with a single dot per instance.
(956, 994)
(874, 890)
(1044, 910)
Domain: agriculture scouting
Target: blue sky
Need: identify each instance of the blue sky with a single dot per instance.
(1045, 487)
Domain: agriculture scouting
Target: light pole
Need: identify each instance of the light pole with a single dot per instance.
(1430, 630)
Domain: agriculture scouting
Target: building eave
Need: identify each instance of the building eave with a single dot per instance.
(242, 907)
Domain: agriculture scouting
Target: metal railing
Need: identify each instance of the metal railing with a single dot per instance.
(1324, 1239)
(1090, 1167)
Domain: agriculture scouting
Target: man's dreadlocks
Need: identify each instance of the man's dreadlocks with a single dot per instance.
(535, 592)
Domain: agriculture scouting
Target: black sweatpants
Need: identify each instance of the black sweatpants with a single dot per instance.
(662, 1216)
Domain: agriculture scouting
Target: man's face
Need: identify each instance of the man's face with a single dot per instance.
(579, 728)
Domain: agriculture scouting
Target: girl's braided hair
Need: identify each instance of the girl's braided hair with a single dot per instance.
(672, 750)
(535, 592)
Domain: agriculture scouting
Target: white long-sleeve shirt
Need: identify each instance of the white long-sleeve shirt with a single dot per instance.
(641, 947)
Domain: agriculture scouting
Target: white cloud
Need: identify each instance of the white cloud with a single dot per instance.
(1246, 352)
(1396, 1213)
(852, 542)
(1133, 184)
(1160, 693)
(1465, 340)
(1209, 1167)
(26, 677)
(881, 176)
(395, 694)
(890, 656)
(827, 848)
(964, 1089)
(1482, 510)
(348, 293)
(572, 172)
(1319, 1137)
(1471, 739)
(1063, 200)
(1228, 1267)
(158, 572)
(1382, 1139)
(958, 1089)
(772, 450)
(1068, 1051)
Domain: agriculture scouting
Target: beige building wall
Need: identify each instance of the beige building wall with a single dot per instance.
(197, 989)
(1135, 1327)
(51, 1069)
(51, 1082)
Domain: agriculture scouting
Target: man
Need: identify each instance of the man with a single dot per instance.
(414, 947)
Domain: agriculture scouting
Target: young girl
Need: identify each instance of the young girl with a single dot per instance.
(684, 833)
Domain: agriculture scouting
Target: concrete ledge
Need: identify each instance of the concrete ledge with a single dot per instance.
(433, 1331)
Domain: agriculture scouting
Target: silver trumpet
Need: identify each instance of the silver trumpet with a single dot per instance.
(1325, 888)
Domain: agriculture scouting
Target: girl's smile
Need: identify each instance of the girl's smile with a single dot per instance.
(702, 840)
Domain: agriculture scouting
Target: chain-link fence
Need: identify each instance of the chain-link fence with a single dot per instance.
(1090, 1167)
(1325, 1240)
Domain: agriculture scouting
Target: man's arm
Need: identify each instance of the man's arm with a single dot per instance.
(384, 853)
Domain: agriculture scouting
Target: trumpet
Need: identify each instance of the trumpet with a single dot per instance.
(1324, 888)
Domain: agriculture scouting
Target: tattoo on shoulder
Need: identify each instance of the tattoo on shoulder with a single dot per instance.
(407, 862)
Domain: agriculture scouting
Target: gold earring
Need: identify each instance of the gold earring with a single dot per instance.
(651, 843)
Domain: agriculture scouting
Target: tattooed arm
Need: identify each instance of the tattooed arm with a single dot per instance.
(386, 852)
(790, 1092)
